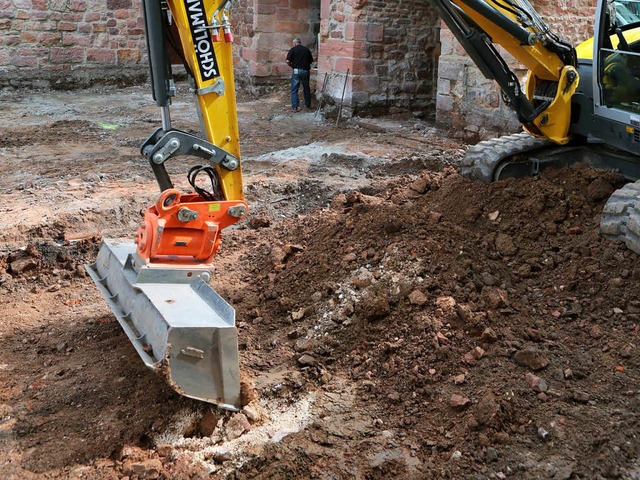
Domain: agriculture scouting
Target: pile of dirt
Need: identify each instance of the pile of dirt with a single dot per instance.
(443, 327)
(490, 327)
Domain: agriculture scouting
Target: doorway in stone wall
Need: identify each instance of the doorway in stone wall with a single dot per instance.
(314, 26)
(274, 26)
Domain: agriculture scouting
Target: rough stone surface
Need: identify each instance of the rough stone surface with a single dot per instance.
(238, 424)
(72, 43)
(531, 358)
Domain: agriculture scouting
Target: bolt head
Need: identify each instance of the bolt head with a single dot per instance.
(237, 211)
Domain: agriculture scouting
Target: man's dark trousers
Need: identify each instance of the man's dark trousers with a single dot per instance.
(298, 77)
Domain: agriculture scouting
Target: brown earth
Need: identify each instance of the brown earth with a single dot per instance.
(396, 320)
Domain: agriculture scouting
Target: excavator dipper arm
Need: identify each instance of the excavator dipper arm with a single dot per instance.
(544, 107)
(158, 288)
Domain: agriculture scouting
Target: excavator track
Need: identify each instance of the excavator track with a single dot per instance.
(482, 161)
(621, 216)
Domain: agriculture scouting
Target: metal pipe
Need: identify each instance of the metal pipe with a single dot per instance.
(342, 98)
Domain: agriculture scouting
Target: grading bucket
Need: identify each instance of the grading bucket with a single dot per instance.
(178, 324)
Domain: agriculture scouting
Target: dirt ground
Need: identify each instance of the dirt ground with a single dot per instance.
(395, 319)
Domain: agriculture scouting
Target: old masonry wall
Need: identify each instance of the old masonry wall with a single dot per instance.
(67, 43)
(375, 56)
(381, 54)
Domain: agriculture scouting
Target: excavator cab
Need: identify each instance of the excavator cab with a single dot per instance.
(616, 76)
(158, 286)
(619, 56)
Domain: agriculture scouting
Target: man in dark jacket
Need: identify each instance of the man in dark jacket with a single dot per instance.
(300, 59)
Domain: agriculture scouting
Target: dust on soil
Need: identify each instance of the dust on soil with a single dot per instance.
(395, 319)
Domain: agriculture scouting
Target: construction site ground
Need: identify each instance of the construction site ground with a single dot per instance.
(395, 319)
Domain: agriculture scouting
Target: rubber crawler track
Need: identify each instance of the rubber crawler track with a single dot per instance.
(482, 159)
(621, 216)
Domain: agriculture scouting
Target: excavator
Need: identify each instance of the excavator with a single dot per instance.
(578, 104)
(158, 287)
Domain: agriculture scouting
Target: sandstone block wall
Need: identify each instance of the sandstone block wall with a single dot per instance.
(469, 103)
(389, 49)
(397, 55)
(70, 42)
(266, 29)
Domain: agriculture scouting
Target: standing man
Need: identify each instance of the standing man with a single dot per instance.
(300, 59)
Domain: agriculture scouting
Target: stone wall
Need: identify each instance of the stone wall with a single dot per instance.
(69, 42)
(389, 49)
(471, 104)
(266, 29)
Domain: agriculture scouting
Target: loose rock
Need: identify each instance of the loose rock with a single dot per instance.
(486, 409)
(307, 360)
(536, 383)
(531, 358)
(458, 401)
(208, 424)
(238, 424)
(417, 298)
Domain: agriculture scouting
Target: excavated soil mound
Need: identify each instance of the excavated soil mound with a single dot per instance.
(487, 330)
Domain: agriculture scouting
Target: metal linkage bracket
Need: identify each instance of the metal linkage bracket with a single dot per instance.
(218, 87)
(162, 145)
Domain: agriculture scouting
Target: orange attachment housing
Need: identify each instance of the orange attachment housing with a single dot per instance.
(185, 229)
